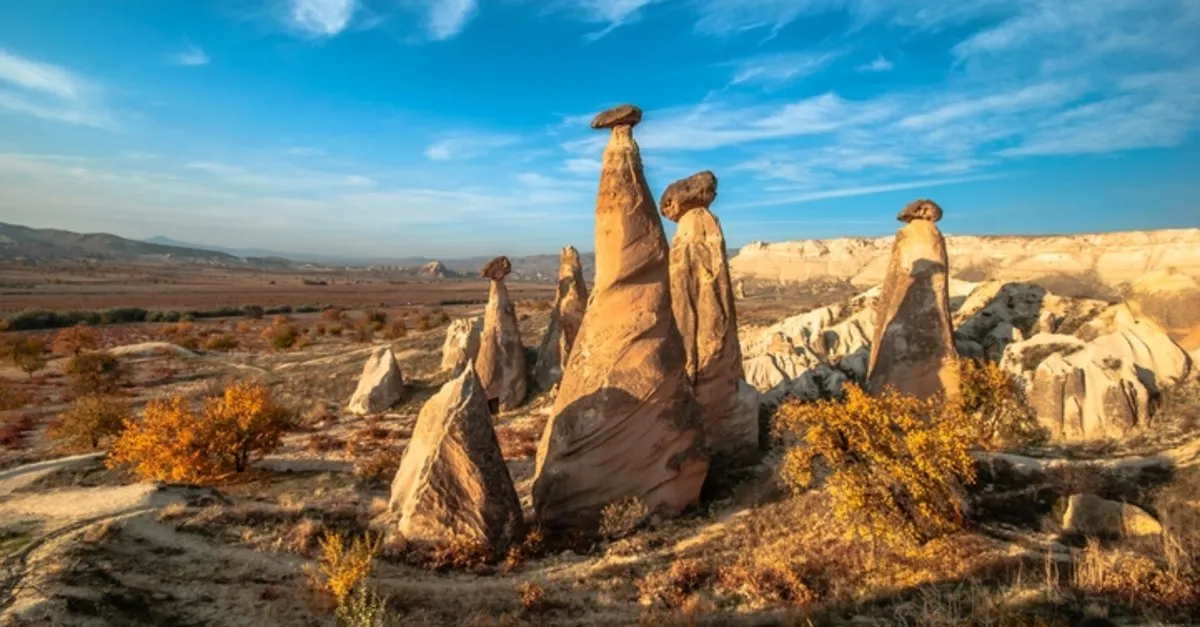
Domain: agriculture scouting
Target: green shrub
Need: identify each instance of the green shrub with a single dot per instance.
(253, 312)
(94, 373)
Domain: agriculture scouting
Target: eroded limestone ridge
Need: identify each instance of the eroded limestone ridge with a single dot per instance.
(624, 423)
(452, 482)
(501, 358)
(703, 302)
(913, 346)
(570, 302)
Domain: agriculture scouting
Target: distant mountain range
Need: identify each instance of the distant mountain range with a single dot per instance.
(22, 243)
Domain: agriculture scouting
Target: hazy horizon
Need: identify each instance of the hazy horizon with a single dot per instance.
(458, 128)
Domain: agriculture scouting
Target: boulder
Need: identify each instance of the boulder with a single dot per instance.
(501, 358)
(1091, 515)
(380, 386)
(462, 344)
(452, 482)
(913, 346)
(624, 423)
(703, 303)
(570, 301)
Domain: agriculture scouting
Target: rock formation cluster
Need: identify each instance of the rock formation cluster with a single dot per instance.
(702, 298)
(500, 361)
(913, 349)
(570, 301)
(624, 423)
(462, 344)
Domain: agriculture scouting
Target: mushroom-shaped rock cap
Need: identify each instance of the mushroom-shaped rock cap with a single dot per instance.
(497, 268)
(623, 115)
(923, 209)
(569, 255)
(694, 192)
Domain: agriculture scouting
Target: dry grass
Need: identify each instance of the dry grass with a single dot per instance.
(13, 430)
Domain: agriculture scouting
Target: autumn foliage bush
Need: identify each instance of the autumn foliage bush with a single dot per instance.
(11, 396)
(89, 421)
(346, 566)
(27, 354)
(895, 463)
(76, 339)
(173, 442)
(995, 401)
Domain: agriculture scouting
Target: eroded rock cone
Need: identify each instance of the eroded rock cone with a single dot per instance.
(570, 302)
(462, 344)
(624, 423)
(380, 386)
(501, 358)
(913, 345)
(452, 482)
(702, 298)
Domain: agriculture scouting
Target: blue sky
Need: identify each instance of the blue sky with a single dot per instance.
(459, 127)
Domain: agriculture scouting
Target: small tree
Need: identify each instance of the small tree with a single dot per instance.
(76, 339)
(895, 463)
(172, 442)
(281, 336)
(90, 420)
(28, 354)
(395, 330)
(95, 373)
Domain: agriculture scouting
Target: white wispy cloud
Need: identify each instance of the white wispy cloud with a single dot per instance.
(447, 18)
(781, 68)
(304, 151)
(865, 190)
(322, 18)
(467, 145)
(191, 56)
(880, 64)
(50, 92)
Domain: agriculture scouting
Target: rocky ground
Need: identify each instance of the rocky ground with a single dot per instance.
(84, 545)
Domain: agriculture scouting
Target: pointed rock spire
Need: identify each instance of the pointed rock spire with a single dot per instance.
(624, 423)
(380, 386)
(501, 358)
(570, 301)
(703, 302)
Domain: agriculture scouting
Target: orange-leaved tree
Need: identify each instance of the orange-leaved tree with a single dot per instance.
(76, 339)
(895, 463)
(995, 401)
(173, 442)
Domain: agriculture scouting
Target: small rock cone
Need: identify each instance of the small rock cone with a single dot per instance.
(452, 481)
(570, 302)
(380, 386)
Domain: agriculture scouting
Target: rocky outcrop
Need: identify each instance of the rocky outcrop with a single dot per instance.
(1110, 385)
(570, 301)
(997, 314)
(380, 386)
(462, 344)
(452, 482)
(501, 359)
(623, 425)
(703, 303)
(1172, 300)
(1113, 258)
(1090, 515)
(912, 349)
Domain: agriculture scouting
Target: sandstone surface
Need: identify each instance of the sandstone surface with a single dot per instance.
(501, 358)
(380, 386)
(570, 302)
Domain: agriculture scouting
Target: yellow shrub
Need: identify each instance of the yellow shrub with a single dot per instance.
(89, 420)
(895, 462)
(345, 567)
(172, 442)
(995, 400)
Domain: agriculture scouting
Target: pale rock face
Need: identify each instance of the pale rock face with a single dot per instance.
(1023, 357)
(703, 303)
(1091, 515)
(380, 386)
(501, 359)
(913, 346)
(624, 424)
(462, 344)
(1116, 257)
(452, 481)
(1088, 395)
(570, 302)
(997, 314)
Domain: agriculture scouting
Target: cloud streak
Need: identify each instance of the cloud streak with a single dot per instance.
(50, 92)
(448, 18)
(192, 56)
(322, 18)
